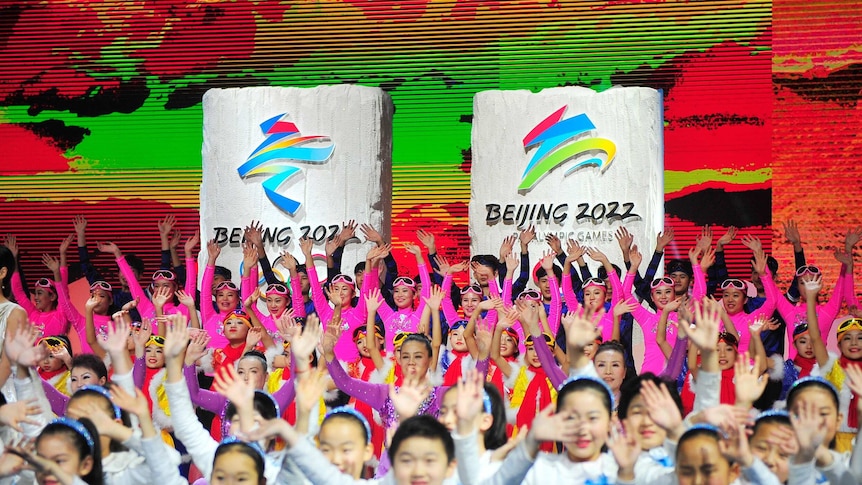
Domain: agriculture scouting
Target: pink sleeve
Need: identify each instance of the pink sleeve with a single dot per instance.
(80, 324)
(191, 276)
(321, 306)
(491, 316)
(829, 311)
(22, 297)
(850, 297)
(145, 306)
(786, 309)
(296, 299)
(385, 311)
(449, 311)
(507, 292)
(65, 304)
(556, 308)
(646, 319)
(699, 290)
(425, 278)
(569, 294)
(607, 326)
(370, 280)
(616, 289)
(207, 293)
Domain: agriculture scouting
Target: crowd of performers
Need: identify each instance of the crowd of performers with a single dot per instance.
(524, 374)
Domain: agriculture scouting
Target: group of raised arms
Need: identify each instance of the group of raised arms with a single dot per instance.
(582, 369)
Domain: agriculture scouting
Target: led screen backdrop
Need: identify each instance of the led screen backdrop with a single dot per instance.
(100, 103)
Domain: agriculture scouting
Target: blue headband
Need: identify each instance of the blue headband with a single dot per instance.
(818, 380)
(356, 414)
(593, 379)
(253, 445)
(274, 402)
(118, 414)
(79, 428)
(772, 413)
(486, 401)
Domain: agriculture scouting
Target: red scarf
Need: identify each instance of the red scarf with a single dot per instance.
(852, 416)
(378, 434)
(536, 397)
(727, 391)
(805, 365)
(45, 375)
(453, 373)
(148, 377)
(226, 356)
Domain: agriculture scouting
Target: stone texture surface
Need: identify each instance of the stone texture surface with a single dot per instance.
(630, 117)
(355, 183)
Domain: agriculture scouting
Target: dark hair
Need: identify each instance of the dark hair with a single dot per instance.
(92, 362)
(541, 273)
(495, 436)
(804, 384)
(603, 273)
(66, 342)
(360, 266)
(486, 260)
(301, 268)
(695, 432)
(771, 418)
(678, 266)
(81, 444)
(771, 263)
(109, 407)
(223, 272)
(135, 263)
(632, 388)
(7, 260)
(256, 354)
(245, 449)
(421, 338)
(263, 404)
(584, 384)
(422, 427)
(350, 417)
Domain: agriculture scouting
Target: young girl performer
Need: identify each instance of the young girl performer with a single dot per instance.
(403, 318)
(226, 294)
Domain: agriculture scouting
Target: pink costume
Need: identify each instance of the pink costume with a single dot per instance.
(101, 322)
(654, 360)
(554, 309)
(403, 319)
(742, 320)
(145, 306)
(451, 315)
(794, 314)
(52, 322)
(351, 317)
(607, 322)
(268, 321)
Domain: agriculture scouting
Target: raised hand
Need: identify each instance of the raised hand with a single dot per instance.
(752, 242)
(625, 306)
(507, 246)
(574, 250)
(213, 251)
(635, 257)
(288, 261)
(851, 238)
(854, 382)
(749, 385)
(176, 340)
(116, 337)
(371, 234)
(287, 326)
(663, 239)
(254, 234)
(555, 244)
(185, 299)
(109, 247)
(22, 348)
(306, 245)
(554, 427)
(166, 225)
(727, 238)
(581, 327)
(176, 237)
(734, 446)
(161, 296)
(11, 242)
(413, 249)
(80, 225)
(373, 301)
(470, 400)
(547, 262)
(661, 408)
(309, 390)
(527, 236)
(407, 399)
(596, 255)
(843, 258)
(229, 384)
(51, 262)
(436, 298)
(427, 239)
(347, 232)
(197, 347)
(792, 235)
(704, 335)
(813, 284)
(303, 345)
(142, 336)
(64, 245)
(133, 404)
(249, 255)
(704, 241)
(625, 449)
(14, 414)
(253, 337)
(330, 338)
